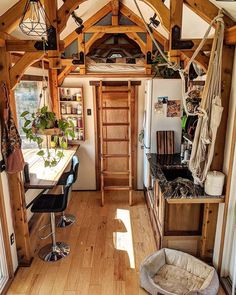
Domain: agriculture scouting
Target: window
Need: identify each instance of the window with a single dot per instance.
(27, 99)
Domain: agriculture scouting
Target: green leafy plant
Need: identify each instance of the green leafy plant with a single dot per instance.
(38, 123)
(161, 68)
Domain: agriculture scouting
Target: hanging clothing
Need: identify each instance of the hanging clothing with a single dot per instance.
(211, 108)
(10, 138)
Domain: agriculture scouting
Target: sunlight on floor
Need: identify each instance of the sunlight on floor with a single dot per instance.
(124, 240)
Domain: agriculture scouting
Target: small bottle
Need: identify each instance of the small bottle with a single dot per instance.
(80, 122)
(68, 109)
(63, 109)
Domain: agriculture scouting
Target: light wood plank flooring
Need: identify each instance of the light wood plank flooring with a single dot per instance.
(101, 250)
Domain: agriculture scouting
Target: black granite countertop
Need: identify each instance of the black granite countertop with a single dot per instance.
(162, 167)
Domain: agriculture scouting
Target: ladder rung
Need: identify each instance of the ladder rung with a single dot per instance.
(115, 124)
(114, 108)
(115, 172)
(117, 188)
(115, 139)
(116, 90)
(115, 156)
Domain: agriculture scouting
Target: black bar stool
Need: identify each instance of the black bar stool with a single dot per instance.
(67, 219)
(51, 204)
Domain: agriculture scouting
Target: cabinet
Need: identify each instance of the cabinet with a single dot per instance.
(72, 108)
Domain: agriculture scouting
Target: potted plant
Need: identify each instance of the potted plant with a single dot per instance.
(43, 122)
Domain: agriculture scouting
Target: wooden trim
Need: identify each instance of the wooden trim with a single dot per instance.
(227, 195)
(32, 78)
(111, 75)
(114, 83)
(230, 36)
(196, 201)
(95, 108)
(114, 29)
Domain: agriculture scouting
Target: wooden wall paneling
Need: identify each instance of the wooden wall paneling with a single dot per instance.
(53, 55)
(17, 71)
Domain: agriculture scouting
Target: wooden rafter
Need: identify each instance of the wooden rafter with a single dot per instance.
(207, 11)
(134, 36)
(65, 72)
(26, 46)
(89, 23)
(115, 29)
(17, 71)
(230, 36)
(201, 58)
(91, 41)
(38, 64)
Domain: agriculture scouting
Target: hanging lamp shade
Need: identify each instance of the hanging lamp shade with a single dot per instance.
(34, 21)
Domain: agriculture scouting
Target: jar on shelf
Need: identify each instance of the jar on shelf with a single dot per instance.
(74, 121)
(79, 109)
(81, 135)
(62, 94)
(68, 109)
(63, 109)
(80, 122)
(73, 110)
(68, 94)
(76, 132)
(78, 96)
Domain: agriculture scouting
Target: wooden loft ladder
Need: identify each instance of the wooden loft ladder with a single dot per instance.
(104, 156)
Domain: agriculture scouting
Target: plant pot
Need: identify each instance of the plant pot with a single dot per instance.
(51, 131)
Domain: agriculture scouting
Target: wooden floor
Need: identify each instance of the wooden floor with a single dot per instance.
(101, 257)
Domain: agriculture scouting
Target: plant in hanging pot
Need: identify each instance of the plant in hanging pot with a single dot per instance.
(43, 122)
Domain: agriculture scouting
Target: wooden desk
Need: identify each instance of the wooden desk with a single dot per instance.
(45, 177)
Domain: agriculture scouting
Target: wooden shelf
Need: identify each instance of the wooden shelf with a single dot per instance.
(213, 200)
(73, 91)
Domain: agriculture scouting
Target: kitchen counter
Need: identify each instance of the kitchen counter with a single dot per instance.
(187, 190)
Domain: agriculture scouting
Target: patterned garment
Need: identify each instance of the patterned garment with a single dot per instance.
(11, 141)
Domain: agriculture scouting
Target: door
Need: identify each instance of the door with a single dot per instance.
(116, 137)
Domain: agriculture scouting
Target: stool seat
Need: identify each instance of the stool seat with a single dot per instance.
(49, 203)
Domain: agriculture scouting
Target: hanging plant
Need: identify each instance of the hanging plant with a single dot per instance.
(161, 68)
(43, 122)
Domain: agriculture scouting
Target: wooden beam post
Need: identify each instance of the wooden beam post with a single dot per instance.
(15, 182)
(176, 13)
(115, 12)
(149, 48)
(53, 55)
(81, 48)
(53, 83)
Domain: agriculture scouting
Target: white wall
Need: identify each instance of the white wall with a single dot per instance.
(229, 229)
(87, 176)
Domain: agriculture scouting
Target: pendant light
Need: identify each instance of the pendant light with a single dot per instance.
(34, 21)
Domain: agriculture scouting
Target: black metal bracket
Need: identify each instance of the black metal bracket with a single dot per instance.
(2, 166)
(51, 43)
(79, 61)
(177, 43)
(149, 58)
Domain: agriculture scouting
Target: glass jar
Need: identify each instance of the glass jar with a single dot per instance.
(79, 109)
(68, 109)
(78, 96)
(63, 109)
(80, 122)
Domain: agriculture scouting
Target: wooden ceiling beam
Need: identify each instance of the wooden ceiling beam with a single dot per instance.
(26, 46)
(115, 29)
(17, 71)
(139, 22)
(115, 12)
(15, 57)
(207, 11)
(201, 58)
(65, 72)
(89, 23)
(230, 36)
(134, 36)
(92, 40)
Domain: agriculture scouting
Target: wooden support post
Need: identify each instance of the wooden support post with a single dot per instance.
(81, 48)
(53, 55)
(176, 13)
(53, 82)
(115, 12)
(15, 183)
(149, 48)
